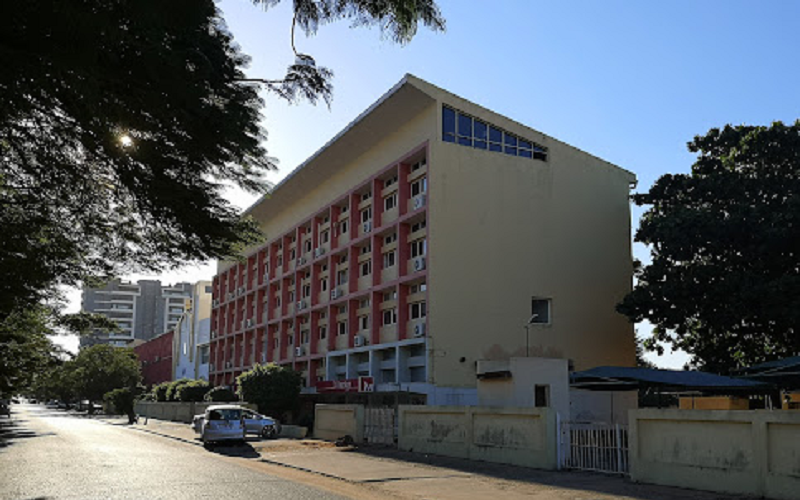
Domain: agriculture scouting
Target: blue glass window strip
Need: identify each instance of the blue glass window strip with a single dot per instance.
(473, 132)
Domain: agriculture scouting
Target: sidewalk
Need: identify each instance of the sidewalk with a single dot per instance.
(420, 476)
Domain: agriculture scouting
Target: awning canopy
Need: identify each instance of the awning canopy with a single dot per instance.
(784, 373)
(621, 378)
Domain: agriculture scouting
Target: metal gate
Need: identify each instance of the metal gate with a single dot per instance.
(594, 447)
(380, 425)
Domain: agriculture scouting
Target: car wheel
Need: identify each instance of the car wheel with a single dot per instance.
(268, 432)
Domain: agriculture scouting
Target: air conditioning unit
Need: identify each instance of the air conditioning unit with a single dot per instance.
(419, 330)
(213, 334)
(249, 323)
(368, 226)
(230, 295)
(419, 202)
(319, 252)
(360, 341)
(299, 351)
(228, 364)
(301, 304)
(336, 293)
(419, 264)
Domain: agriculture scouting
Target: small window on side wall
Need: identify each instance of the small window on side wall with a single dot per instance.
(540, 311)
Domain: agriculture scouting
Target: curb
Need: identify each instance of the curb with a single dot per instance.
(310, 471)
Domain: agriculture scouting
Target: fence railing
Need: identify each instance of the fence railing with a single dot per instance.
(594, 447)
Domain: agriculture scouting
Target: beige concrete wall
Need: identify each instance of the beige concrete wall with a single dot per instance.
(519, 436)
(334, 421)
(505, 229)
(177, 412)
(747, 452)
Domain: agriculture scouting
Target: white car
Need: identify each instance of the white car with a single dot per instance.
(260, 425)
(220, 423)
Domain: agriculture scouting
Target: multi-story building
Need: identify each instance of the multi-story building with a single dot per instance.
(142, 310)
(192, 334)
(429, 234)
(157, 358)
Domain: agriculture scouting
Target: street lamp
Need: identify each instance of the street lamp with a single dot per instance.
(527, 335)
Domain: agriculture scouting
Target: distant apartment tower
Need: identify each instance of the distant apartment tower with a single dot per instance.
(143, 310)
(430, 234)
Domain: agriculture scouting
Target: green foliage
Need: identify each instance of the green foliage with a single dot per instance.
(123, 400)
(102, 368)
(194, 391)
(275, 389)
(25, 350)
(222, 395)
(724, 281)
(174, 387)
(75, 201)
(160, 392)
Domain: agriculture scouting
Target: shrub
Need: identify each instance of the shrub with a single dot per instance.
(160, 392)
(222, 395)
(193, 391)
(275, 389)
(173, 387)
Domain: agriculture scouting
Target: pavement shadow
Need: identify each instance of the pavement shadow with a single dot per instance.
(14, 429)
(244, 450)
(613, 485)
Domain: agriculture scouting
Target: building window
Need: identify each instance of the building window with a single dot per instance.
(323, 284)
(306, 291)
(363, 322)
(540, 311)
(307, 246)
(390, 202)
(418, 225)
(291, 339)
(448, 124)
(366, 196)
(341, 278)
(419, 186)
(389, 317)
(204, 355)
(388, 259)
(292, 254)
(390, 239)
(343, 227)
(417, 310)
(323, 332)
(342, 328)
(277, 342)
(291, 295)
(541, 396)
(419, 165)
(324, 237)
(390, 295)
(366, 268)
(458, 127)
(366, 214)
(304, 337)
(418, 248)
(366, 249)
(388, 182)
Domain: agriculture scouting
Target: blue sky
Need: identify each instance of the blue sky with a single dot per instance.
(629, 81)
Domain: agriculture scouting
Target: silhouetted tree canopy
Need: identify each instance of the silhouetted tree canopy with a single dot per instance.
(724, 281)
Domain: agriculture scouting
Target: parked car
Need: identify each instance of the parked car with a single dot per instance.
(260, 425)
(220, 423)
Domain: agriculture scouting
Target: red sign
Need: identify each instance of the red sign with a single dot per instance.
(360, 384)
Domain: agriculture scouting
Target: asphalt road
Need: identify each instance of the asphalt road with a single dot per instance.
(49, 454)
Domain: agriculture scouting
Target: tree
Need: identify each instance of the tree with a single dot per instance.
(273, 388)
(122, 122)
(724, 281)
(124, 401)
(102, 368)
